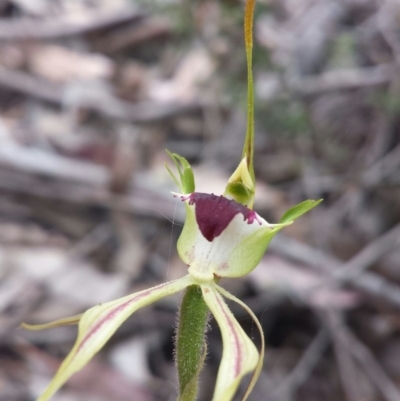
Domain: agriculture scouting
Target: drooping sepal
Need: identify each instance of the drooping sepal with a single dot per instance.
(260, 361)
(239, 355)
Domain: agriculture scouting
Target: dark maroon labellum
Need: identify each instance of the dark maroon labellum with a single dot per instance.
(214, 213)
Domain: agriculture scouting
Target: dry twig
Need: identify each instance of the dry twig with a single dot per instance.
(350, 345)
(347, 368)
(370, 283)
(56, 27)
(106, 104)
(304, 367)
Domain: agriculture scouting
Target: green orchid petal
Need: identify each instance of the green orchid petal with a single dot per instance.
(186, 178)
(222, 237)
(66, 321)
(239, 355)
(99, 323)
(298, 210)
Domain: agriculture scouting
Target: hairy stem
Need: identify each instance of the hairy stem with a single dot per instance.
(190, 348)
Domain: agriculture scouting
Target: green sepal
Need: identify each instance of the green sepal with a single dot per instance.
(296, 211)
(186, 178)
(239, 354)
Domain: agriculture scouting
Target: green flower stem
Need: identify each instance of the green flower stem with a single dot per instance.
(248, 149)
(190, 346)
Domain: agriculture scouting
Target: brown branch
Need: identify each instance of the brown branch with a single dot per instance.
(106, 104)
(374, 370)
(351, 78)
(29, 85)
(367, 282)
(304, 367)
(24, 28)
(347, 368)
(387, 165)
(133, 35)
(141, 201)
(369, 254)
(360, 352)
(336, 80)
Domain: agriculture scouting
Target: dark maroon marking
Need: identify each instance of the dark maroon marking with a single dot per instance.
(112, 313)
(214, 213)
(238, 354)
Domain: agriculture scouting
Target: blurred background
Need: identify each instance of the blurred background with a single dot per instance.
(92, 92)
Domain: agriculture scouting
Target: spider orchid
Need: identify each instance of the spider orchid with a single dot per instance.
(222, 237)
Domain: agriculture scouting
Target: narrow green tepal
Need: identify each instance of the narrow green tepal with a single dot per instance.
(186, 178)
(296, 211)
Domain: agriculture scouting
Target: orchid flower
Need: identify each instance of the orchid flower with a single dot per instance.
(222, 237)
